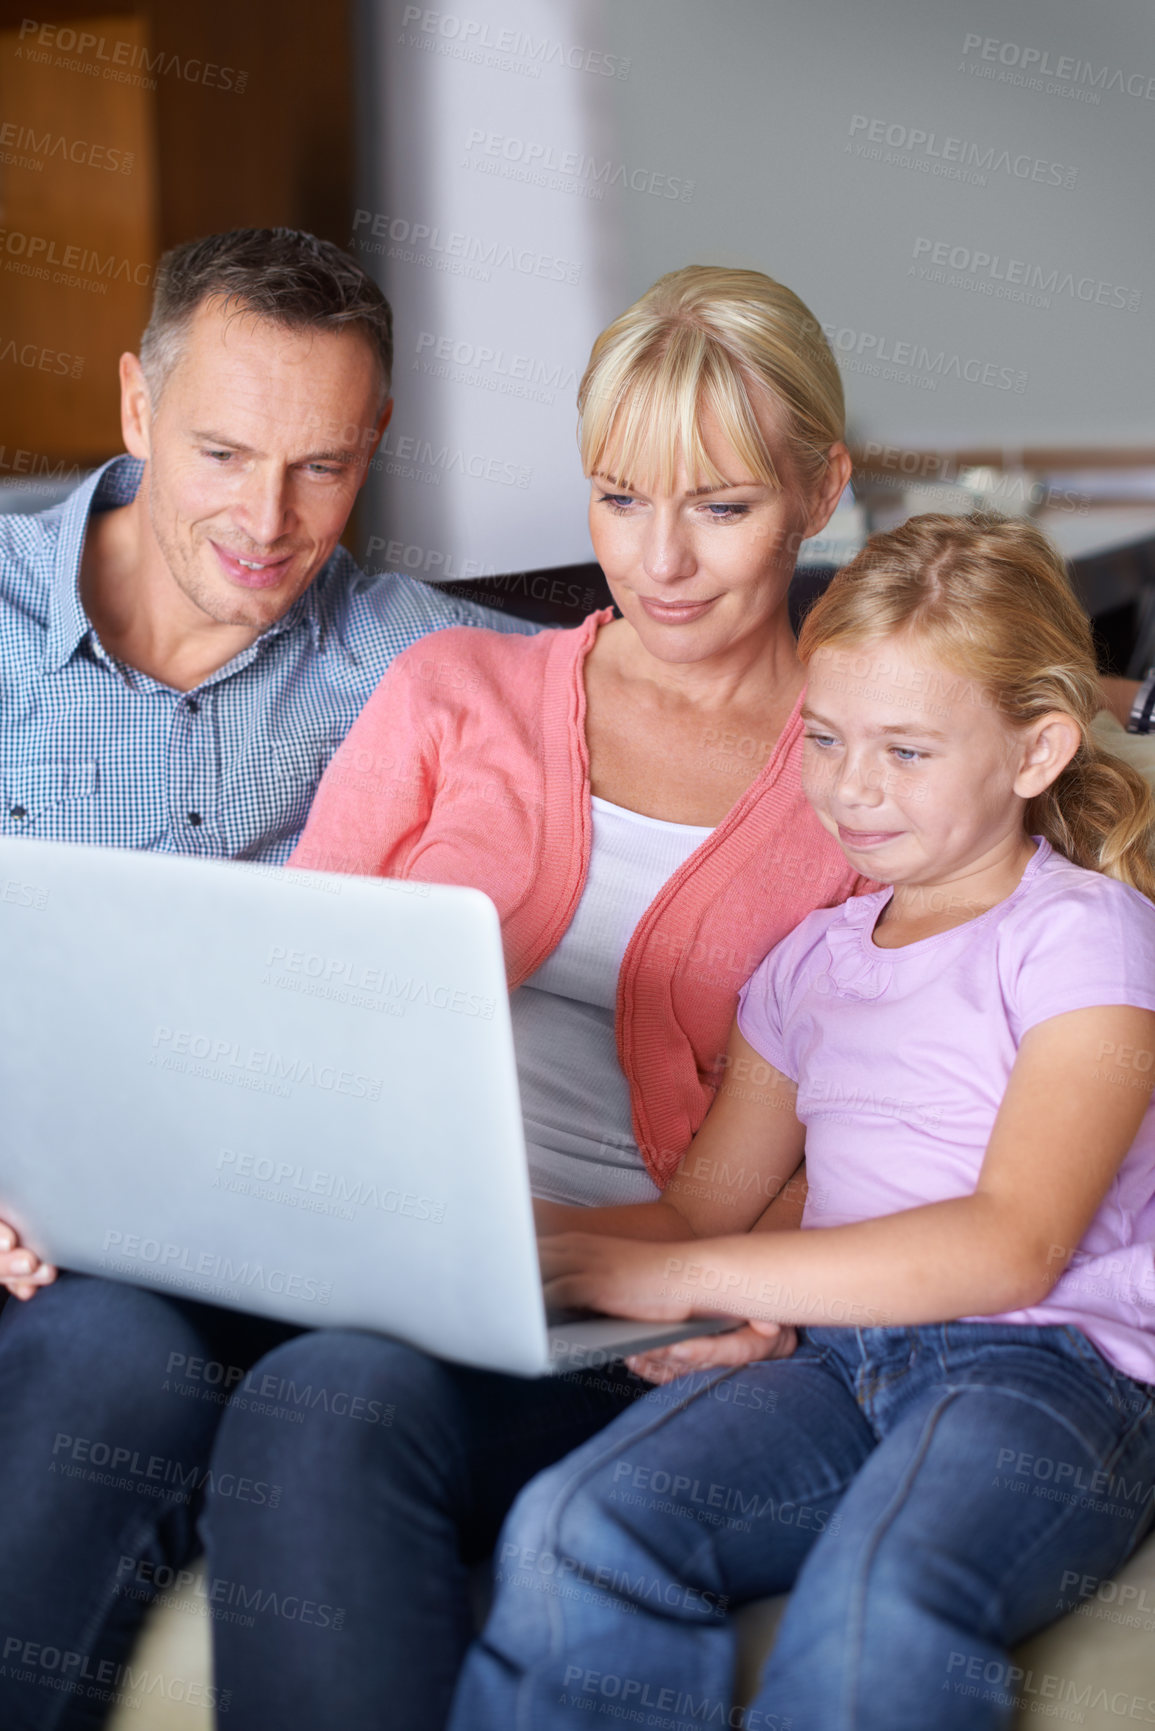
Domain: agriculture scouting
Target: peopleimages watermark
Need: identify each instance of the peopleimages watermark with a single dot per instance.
(1014, 279)
(253, 1391)
(644, 1701)
(1022, 1686)
(536, 163)
(1124, 1066)
(14, 892)
(412, 458)
(501, 587)
(435, 562)
(524, 1565)
(298, 1185)
(37, 256)
(894, 678)
(379, 981)
(41, 470)
(695, 1278)
(119, 61)
(493, 369)
(1060, 75)
(39, 359)
(222, 1060)
(207, 1269)
(905, 361)
(219, 1598)
(891, 465)
(152, 1475)
(115, 1684)
(713, 1503)
(1064, 1481)
(1109, 1601)
(505, 49)
(22, 146)
(456, 251)
(948, 157)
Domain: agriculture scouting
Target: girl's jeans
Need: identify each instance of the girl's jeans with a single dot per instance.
(931, 1496)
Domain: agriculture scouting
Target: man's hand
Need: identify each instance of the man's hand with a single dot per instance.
(20, 1270)
(752, 1344)
(620, 1276)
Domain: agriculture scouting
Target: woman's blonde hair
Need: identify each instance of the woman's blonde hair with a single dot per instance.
(708, 338)
(991, 598)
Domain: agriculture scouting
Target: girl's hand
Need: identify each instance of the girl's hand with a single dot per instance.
(620, 1276)
(753, 1344)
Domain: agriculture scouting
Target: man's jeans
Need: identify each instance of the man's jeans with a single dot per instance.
(932, 1496)
(342, 1484)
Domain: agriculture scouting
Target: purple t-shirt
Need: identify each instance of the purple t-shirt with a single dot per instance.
(902, 1058)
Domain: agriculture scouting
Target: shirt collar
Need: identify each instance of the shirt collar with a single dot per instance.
(116, 483)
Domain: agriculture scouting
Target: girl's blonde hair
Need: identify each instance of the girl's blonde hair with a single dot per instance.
(708, 338)
(991, 598)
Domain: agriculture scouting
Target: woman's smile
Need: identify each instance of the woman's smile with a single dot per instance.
(675, 612)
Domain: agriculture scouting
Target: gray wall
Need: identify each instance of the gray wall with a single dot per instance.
(961, 192)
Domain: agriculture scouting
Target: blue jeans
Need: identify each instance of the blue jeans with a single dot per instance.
(927, 1494)
(396, 1471)
(105, 1440)
(341, 1483)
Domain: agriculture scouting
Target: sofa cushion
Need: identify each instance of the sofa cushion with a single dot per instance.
(1095, 1667)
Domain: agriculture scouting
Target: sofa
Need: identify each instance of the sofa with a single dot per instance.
(1094, 1668)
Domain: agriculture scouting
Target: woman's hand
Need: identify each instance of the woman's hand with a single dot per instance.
(620, 1276)
(751, 1344)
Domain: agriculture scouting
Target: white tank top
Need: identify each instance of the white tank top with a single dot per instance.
(574, 1097)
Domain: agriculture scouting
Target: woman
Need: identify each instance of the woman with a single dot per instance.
(628, 794)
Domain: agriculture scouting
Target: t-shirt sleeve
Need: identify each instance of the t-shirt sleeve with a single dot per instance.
(1089, 947)
(761, 1007)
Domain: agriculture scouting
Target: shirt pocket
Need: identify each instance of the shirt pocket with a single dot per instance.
(34, 791)
(267, 791)
(296, 763)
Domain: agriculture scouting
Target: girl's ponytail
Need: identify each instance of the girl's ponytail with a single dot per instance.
(991, 598)
(1100, 814)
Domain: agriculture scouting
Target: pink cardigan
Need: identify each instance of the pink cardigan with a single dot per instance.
(468, 765)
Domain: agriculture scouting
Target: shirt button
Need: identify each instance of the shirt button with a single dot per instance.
(191, 705)
(195, 817)
(17, 811)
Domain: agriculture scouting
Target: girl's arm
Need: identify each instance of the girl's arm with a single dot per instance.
(1072, 1109)
(740, 1166)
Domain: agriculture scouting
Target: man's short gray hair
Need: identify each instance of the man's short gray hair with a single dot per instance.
(281, 274)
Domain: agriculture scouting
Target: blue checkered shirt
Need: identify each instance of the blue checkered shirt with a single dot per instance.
(92, 750)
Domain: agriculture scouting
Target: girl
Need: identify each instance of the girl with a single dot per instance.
(967, 1056)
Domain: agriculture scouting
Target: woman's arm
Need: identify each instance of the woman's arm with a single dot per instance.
(374, 798)
(744, 1157)
(1071, 1111)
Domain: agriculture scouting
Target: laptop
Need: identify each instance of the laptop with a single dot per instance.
(285, 1092)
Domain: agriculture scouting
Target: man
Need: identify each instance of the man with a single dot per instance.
(183, 644)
